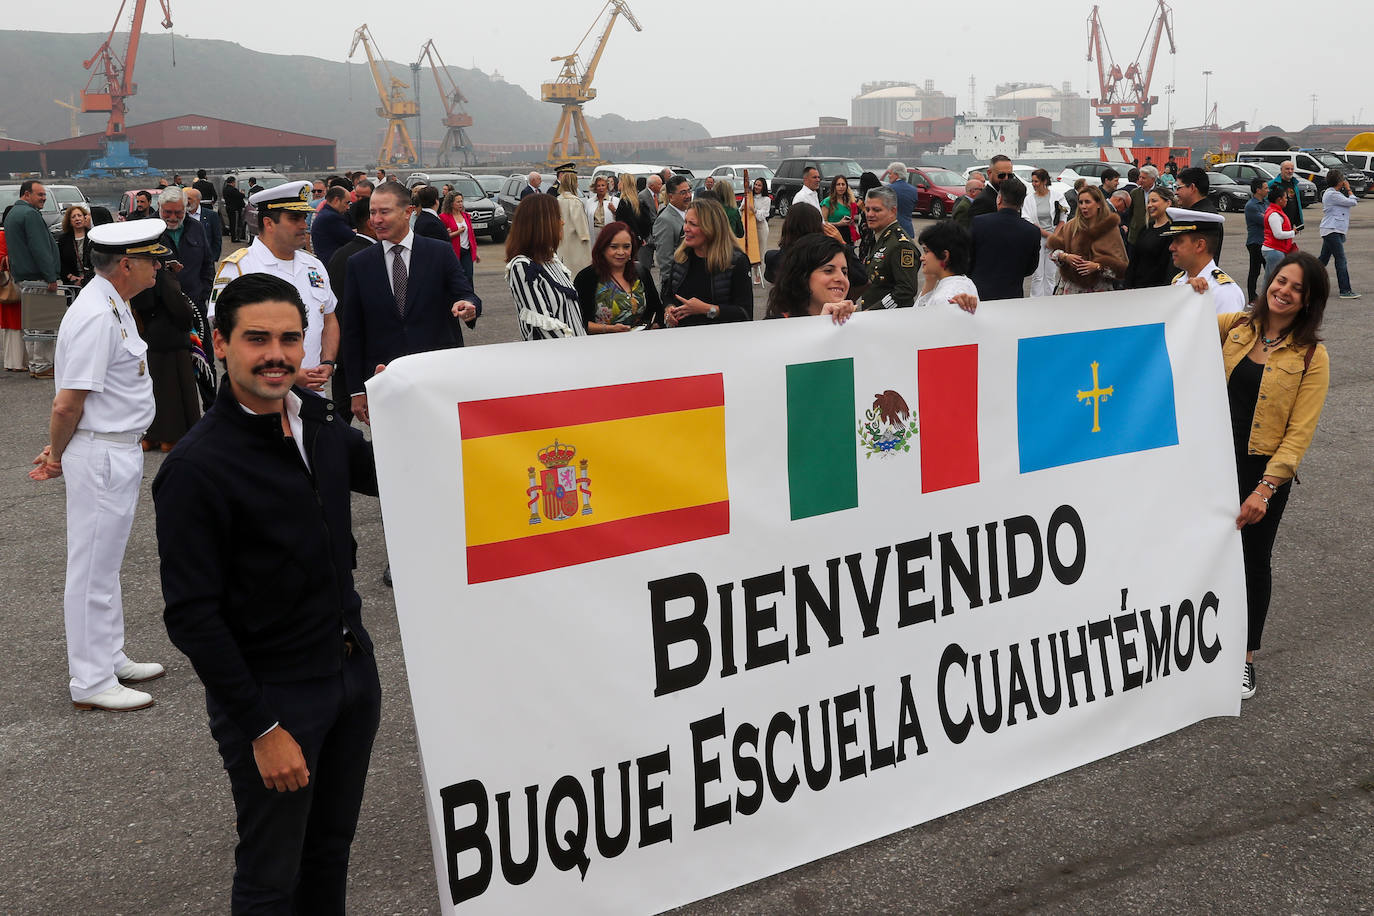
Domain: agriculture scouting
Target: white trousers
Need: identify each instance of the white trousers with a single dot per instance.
(1046, 272)
(103, 480)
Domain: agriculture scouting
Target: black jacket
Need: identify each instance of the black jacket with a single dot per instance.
(1006, 250)
(257, 551)
(431, 227)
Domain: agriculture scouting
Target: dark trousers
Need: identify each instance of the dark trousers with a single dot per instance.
(235, 225)
(292, 855)
(1257, 543)
(465, 260)
(1256, 268)
(1333, 245)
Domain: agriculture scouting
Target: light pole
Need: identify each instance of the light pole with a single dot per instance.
(1206, 106)
(1169, 110)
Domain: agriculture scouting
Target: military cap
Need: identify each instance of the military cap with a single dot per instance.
(565, 167)
(1182, 221)
(135, 237)
(294, 195)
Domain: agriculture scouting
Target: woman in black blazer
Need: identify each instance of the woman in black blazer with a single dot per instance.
(73, 250)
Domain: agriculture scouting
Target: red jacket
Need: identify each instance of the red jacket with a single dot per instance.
(452, 224)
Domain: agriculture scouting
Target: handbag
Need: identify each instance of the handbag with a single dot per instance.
(9, 290)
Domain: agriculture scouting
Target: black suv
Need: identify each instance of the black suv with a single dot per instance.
(787, 179)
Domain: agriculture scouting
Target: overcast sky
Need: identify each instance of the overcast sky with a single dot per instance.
(744, 65)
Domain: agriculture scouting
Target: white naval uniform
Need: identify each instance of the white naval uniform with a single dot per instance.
(305, 272)
(100, 351)
(1226, 293)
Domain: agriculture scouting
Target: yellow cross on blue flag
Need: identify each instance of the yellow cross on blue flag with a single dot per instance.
(1093, 394)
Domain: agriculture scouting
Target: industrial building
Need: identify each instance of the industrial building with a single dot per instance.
(895, 105)
(1067, 111)
(186, 142)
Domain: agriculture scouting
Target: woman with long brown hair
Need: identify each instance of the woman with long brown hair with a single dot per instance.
(1088, 248)
(841, 208)
(460, 234)
(708, 279)
(631, 210)
(545, 300)
(1277, 374)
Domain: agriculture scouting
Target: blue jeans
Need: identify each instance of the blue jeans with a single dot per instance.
(1271, 264)
(1333, 243)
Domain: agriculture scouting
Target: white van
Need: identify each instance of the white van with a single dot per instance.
(614, 170)
(1312, 164)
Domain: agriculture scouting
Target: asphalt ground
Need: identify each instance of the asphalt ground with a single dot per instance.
(1272, 812)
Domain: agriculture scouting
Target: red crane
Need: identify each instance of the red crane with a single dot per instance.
(1126, 94)
(112, 76)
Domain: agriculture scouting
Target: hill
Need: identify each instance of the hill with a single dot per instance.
(306, 94)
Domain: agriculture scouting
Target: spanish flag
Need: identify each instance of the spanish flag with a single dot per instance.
(567, 477)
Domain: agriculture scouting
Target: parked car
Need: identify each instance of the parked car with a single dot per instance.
(489, 218)
(640, 170)
(735, 175)
(490, 183)
(1243, 172)
(1309, 164)
(936, 190)
(1090, 170)
(508, 198)
(1359, 159)
(787, 179)
(1022, 173)
(60, 196)
(1227, 193)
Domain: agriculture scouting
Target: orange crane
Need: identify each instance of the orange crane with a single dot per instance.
(1126, 94)
(456, 118)
(573, 87)
(111, 83)
(397, 147)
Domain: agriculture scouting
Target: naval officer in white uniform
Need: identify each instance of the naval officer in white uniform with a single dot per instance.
(1195, 236)
(103, 405)
(279, 250)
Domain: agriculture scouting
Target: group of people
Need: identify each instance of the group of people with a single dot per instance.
(272, 622)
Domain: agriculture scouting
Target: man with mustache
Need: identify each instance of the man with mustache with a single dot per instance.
(255, 540)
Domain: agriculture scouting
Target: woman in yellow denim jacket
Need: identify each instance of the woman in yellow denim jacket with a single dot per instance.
(1277, 373)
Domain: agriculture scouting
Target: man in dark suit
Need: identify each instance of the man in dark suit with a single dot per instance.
(234, 202)
(206, 189)
(999, 169)
(1006, 247)
(402, 296)
(427, 221)
(331, 229)
(337, 267)
(532, 183)
(189, 246)
(209, 220)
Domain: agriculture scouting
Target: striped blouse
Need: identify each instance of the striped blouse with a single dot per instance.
(545, 300)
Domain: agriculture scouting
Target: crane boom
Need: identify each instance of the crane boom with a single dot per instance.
(1127, 94)
(114, 77)
(397, 148)
(456, 118)
(573, 87)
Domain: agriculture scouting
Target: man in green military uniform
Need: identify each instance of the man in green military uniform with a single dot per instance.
(894, 265)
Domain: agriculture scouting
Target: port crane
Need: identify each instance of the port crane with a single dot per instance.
(456, 118)
(110, 85)
(573, 87)
(397, 147)
(1126, 94)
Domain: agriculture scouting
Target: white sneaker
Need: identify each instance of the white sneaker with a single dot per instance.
(116, 699)
(138, 672)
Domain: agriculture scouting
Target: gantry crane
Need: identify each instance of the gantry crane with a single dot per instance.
(396, 107)
(456, 118)
(1127, 94)
(111, 83)
(573, 87)
(73, 109)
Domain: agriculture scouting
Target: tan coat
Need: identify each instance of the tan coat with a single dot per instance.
(1290, 399)
(1101, 243)
(576, 248)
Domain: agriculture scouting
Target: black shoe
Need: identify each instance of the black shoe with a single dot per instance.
(386, 576)
(1247, 681)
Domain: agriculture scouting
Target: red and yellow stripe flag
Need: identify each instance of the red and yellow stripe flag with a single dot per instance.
(568, 477)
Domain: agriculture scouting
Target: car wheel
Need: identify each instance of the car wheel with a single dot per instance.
(499, 235)
(937, 209)
(783, 205)
(1224, 203)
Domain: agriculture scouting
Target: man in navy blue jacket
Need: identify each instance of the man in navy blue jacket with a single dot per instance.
(255, 539)
(402, 296)
(907, 197)
(1006, 247)
(331, 230)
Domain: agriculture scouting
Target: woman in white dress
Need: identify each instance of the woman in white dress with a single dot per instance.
(1045, 208)
(763, 207)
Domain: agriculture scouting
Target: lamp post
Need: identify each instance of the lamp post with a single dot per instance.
(1206, 106)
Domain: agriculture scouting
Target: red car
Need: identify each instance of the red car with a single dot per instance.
(936, 190)
(126, 203)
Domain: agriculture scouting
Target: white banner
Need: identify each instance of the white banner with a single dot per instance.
(684, 609)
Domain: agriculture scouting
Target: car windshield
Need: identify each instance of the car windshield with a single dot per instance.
(832, 167)
(754, 172)
(491, 185)
(944, 178)
(57, 196)
(469, 188)
(1330, 161)
(8, 196)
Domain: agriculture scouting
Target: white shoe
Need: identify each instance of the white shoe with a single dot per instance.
(116, 699)
(138, 672)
